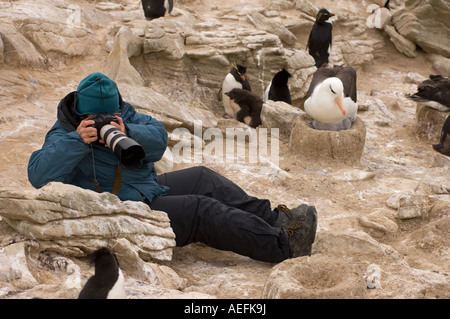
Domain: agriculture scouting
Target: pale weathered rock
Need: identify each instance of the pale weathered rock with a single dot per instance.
(133, 266)
(109, 6)
(425, 22)
(271, 26)
(349, 242)
(441, 64)
(14, 266)
(353, 175)
(442, 161)
(18, 50)
(2, 47)
(51, 37)
(50, 269)
(279, 115)
(403, 45)
(301, 66)
(373, 276)
(62, 28)
(118, 67)
(146, 99)
(357, 52)
(280, 5)
(74, 221)
(380, 221)
(199, 57)
(165, 38)
(345, 146)
(430, 122)
(379, 18)
(413, 206)
(307, 7)
(217, 35)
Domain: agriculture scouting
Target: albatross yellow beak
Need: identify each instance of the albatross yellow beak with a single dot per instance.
(339, 102)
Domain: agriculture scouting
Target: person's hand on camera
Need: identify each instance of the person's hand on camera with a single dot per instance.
(87, 133)
(119, 126)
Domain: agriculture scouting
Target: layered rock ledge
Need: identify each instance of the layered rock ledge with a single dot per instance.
(75, 222)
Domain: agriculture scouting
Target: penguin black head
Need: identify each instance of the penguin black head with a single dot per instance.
(282, 77)
(232, 94)
(238, 71)
(104, 256)
(323, 15)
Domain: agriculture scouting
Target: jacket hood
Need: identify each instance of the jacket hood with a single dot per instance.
(66, 112)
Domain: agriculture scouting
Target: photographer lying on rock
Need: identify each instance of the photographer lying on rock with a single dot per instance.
(100, 142)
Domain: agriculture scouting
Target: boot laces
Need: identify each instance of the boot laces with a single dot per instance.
(284, 209)
(291, 230)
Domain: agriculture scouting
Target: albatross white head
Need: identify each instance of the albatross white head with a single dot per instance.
(326, 104)
(334, 89)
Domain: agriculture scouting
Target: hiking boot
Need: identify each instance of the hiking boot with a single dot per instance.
(301, 224)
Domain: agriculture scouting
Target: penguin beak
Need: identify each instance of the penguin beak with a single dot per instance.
(243, 77)
(339, 102)
(332, 15)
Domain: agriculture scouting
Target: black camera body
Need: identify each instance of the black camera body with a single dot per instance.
(129, 152)
(103, 119)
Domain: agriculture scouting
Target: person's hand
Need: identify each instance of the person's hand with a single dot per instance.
(119, 126)
(87, 133)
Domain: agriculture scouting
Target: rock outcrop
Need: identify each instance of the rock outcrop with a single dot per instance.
(38, 34)
(76, 222)
(383, 216)
(426, 23)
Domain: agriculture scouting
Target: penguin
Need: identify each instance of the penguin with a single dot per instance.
(320, 38)
(434, 92)
(246, 105)
(154, 9)
(278, 89)
(234, 79)
(108, 281)
(445, 131)
(331, 99)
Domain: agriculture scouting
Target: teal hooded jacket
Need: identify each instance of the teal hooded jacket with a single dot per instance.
(65, 157)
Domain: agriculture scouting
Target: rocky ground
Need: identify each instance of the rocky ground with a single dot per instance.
(361, 219)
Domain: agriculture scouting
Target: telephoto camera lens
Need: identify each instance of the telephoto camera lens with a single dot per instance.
(130, 153)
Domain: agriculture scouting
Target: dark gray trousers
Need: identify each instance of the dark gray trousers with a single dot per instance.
(205, 207)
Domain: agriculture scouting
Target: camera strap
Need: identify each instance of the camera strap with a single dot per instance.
(117, 179)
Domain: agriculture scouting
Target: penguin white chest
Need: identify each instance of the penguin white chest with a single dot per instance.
(118, 290)
(228, 84)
